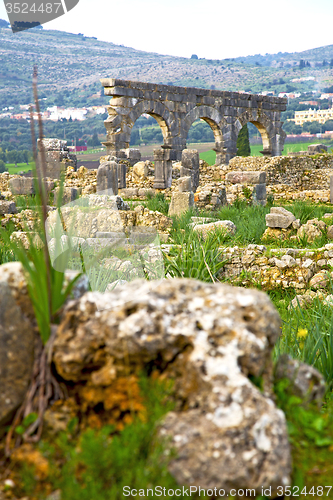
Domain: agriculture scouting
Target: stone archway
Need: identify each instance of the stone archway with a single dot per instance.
(215, 120)
(176, 108)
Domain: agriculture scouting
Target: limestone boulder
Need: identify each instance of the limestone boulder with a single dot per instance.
(16, 340)
(140, 171)
(312, 229)
(279, 217)
(226, 226)
(208, 338)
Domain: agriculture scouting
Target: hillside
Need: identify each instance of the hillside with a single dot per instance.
(70, 67)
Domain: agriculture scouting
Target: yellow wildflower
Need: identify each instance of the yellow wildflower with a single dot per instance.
(302, 333)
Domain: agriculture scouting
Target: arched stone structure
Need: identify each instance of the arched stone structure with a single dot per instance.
(176, 108)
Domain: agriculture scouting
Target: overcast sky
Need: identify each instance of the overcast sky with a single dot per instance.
(213, 29)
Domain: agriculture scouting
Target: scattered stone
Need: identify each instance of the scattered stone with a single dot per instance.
(279, 217)
(129, 192)
(26, 239)
(321, 279)
(306, 382)
(7, 207)
(312, 229)
(226, 226)
(296, 224)
(180, 203)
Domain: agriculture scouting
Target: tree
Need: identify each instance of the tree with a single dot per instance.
(243, 143)
(194, 56)
(2, 166)
(95, 141)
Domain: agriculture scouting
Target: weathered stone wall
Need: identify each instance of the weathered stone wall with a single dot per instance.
(300, 172)
(299, 269)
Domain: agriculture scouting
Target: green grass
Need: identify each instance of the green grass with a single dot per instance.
(288, 147)
(21, 167)
(208, 156)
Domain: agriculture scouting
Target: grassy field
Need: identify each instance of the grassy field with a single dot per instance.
(288, 148)
(21, 167)
(208, 156)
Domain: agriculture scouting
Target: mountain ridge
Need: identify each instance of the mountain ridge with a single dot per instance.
(70, 67)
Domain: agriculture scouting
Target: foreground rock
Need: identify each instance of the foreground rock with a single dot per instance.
(16, 340)
(209, 339)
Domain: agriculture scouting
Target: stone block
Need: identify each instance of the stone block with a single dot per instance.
(143, 192)
(317, 148)
(226, 226)
(241, 177)
(129, 192)
(259, 194)
(107, 177)
(133, 155)
(181, 203)
(69, 194)
(279, 218)
(185, 184)
(22, 185)
(190, 166)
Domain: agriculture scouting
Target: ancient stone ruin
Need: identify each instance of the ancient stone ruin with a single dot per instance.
(176, 108)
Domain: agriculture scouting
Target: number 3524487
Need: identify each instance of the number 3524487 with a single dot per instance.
(24, 8)
(295, 491)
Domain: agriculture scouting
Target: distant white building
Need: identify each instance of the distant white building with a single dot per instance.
(57, 114)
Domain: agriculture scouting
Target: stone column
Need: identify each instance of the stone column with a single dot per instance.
(122, 169)
(163, 168)
(190, 166)
(107, 177)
